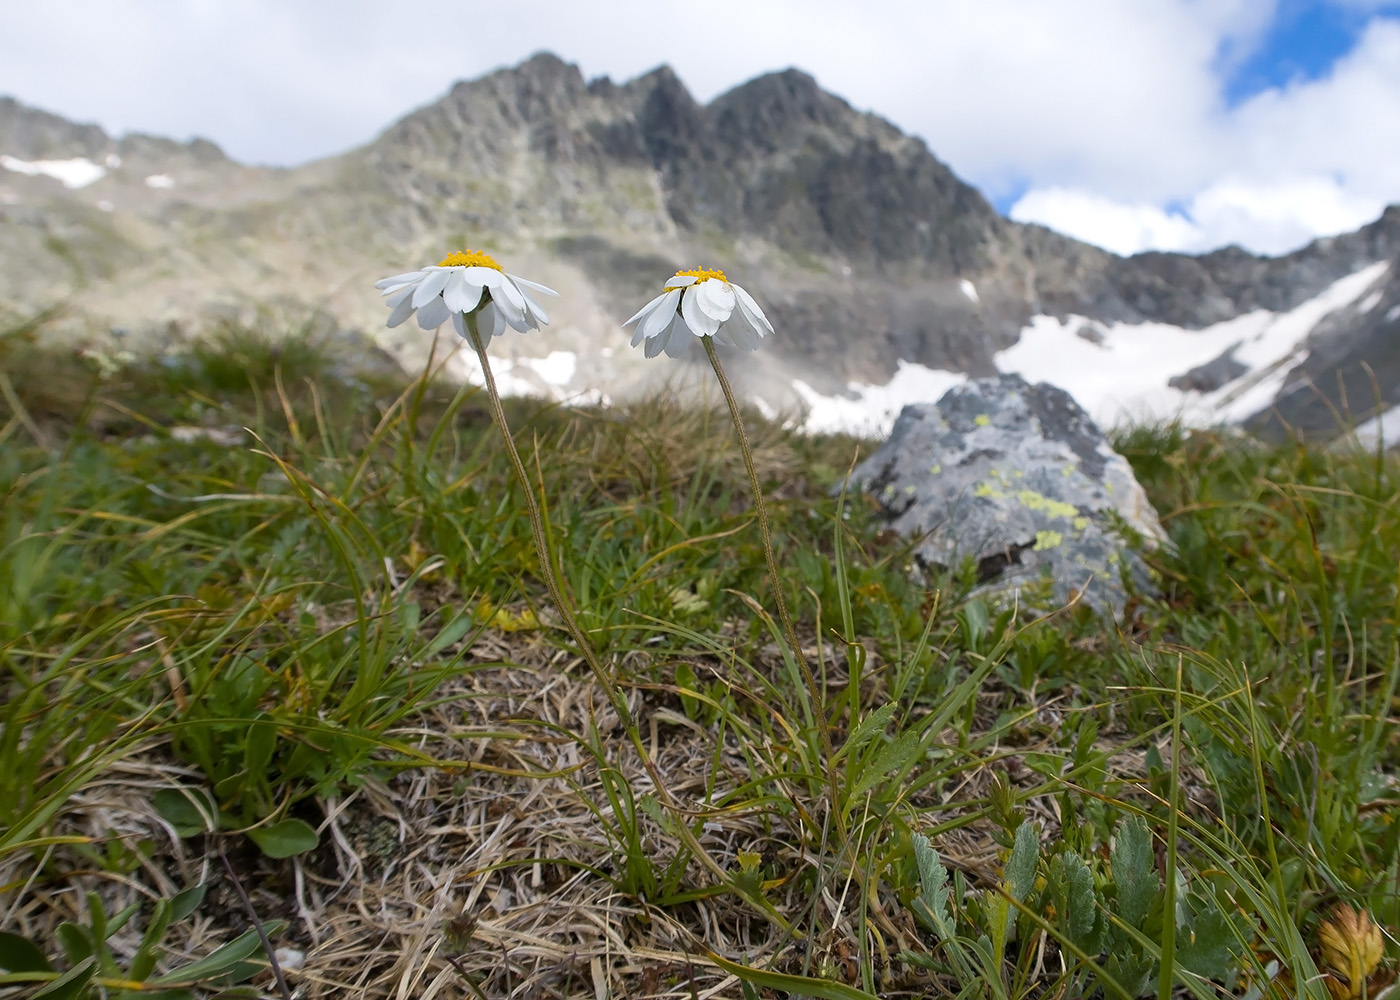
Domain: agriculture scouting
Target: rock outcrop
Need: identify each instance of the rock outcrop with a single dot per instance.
(1015, 482)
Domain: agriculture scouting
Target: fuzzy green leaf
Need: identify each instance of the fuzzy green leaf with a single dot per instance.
(891, 758)
(1133, 873)
(1019, 877)
(1206, 949)
(1073, 886)
(931, 905)
(871, 726)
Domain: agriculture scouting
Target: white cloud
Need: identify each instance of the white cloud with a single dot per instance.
(1266, 217)
(1119, 226)
(1120, 100)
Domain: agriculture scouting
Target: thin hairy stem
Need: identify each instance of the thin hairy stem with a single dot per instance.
(532, 505)
(813, 689)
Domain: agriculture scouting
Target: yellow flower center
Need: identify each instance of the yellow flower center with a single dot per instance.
(470, 258)
(700, 274)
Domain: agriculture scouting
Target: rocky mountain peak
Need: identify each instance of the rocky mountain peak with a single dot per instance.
(869, 254)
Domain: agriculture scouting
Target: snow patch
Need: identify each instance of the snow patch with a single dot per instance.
(160, 181)
(968, 289)
(75, 173)
(1370, 302)
(106, 206)
(113, 161)
(1124, 377)
(870, 410)
(1392, 314)
(1384, 428)
(557, 369)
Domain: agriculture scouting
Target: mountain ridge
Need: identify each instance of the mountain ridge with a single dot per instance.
(862, 245)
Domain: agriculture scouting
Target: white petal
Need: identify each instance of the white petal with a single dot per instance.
(431, 286)
(751, 310)
(740, 334)
(676, 346)
(665, 312)
(459, 324)
(655, 345)
(645, 309)
(680, 281)
(534, 311)
(714, 299)
(511, 304)
(433, 314)
(700, 324)
(486, 276)
(398, 280)
(401, 311)
(534, 286)
(489, 320)
(461, 295)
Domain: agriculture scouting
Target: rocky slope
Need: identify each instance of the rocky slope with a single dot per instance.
(873, 259)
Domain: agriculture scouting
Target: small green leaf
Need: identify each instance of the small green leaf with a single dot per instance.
(891, 758)
(805, 986)
(451, 634)
(121, 919)
(260, 745)
(143, 963)
(71, 984)
(685, 680)
(189, 810)
(19, 954)
(182, 904)
(221, 960)
(871, 726)
(75, 941)
(285, 839)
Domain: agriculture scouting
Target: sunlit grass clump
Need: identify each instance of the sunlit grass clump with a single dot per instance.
(498, 698)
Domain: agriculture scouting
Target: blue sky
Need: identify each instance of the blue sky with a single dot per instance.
(1135, 124)
(1303, 41)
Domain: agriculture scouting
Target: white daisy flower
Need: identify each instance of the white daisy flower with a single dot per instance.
(465, 282)
(706, 304)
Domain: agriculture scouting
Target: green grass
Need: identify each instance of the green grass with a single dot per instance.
(1022, 807)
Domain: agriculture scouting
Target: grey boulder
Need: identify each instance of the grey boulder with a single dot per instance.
(1016, 478)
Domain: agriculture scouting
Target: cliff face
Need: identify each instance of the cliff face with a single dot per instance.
(865, 248)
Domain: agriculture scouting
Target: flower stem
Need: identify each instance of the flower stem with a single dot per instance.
(813, 689)
(532, 505)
